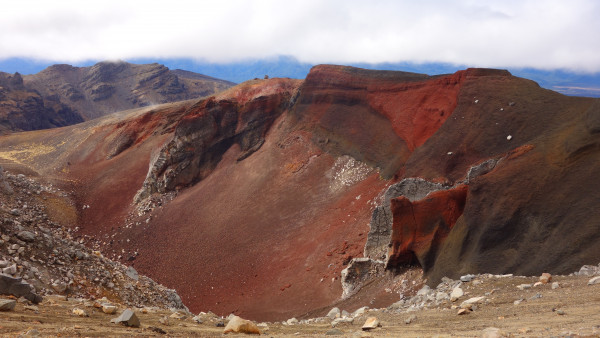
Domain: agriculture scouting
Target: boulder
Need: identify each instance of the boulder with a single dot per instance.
(545, 278)
(334, 313)
(80, 312)
(109, 309)
(456, 294)
(595, 280)
(371, 323)
(469, 302)
(26, 236)
(18, 288)
(239, 325)
(7, 304)
(127, 318)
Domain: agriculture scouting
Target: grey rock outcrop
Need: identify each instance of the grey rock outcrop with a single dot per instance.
(7, 304)
(357, 273)
(381, 220)
(18, 288)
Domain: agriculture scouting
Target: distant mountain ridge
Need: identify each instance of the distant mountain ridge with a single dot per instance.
(63, 94)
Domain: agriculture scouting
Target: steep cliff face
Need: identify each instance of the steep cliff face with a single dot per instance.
(262, 194)
(211, 127)
(22, 108)
(63, 95)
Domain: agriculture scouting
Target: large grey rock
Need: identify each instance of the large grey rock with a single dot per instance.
(7, 304)
(18, 288)
(588, 270)
(10, 270)
(132, 273)
(456, 294)
(26, 236)
(239, 325)
(334, 313)
(127, 318)
(357, 273)
(595, 280)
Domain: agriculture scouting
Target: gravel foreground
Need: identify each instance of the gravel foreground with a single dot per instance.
(570, 308)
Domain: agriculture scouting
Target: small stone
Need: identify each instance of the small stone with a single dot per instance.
(536, 296)
(360, 312)
(524, 286)
(26, 236)
(424, 291)
(33, 308)
(132, 273)
(32, 333)
(509, 137)
(467, 278)
(334, 332)
(220, 324)
(518, 301)
(334, 313)
(471, 301)
(10, 270)
(7, 304)
(410, 319)
(463, 312)
(456, 293)
(370, 323)
(537, 284)
(127, 318)
(164, 320)
(80, 312)
(178, 316)
(109, 309)
(595, 280)
(440, 296)
(491, 332)
(545, 278)
(197, 319)
(560, 312)
(292, 321)
(555, 285)
(239, 325)
(157, 330)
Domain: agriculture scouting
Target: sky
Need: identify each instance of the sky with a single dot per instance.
(543, 34)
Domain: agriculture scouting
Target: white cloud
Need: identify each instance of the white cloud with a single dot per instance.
(534, 33)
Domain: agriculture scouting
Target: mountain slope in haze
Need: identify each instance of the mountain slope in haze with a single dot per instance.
(259, 200)
(22, 108)
(61, 94)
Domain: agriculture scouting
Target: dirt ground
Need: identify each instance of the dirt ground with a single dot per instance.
(572, 309)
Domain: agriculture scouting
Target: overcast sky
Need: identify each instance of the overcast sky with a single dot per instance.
(523, 33)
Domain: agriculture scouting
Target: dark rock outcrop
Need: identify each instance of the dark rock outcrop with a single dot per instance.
(62, 95)
(205, 132)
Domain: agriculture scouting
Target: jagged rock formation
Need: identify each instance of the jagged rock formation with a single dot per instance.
(380, 232)
(22, 108)
(498, 177)
(207, 131)
(62, 95)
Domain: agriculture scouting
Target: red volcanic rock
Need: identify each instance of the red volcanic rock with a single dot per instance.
(420, 227)
(378, 117)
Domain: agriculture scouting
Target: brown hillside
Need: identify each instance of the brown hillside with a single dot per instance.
(253, 201)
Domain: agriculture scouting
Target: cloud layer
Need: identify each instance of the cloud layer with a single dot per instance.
(524, 33)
